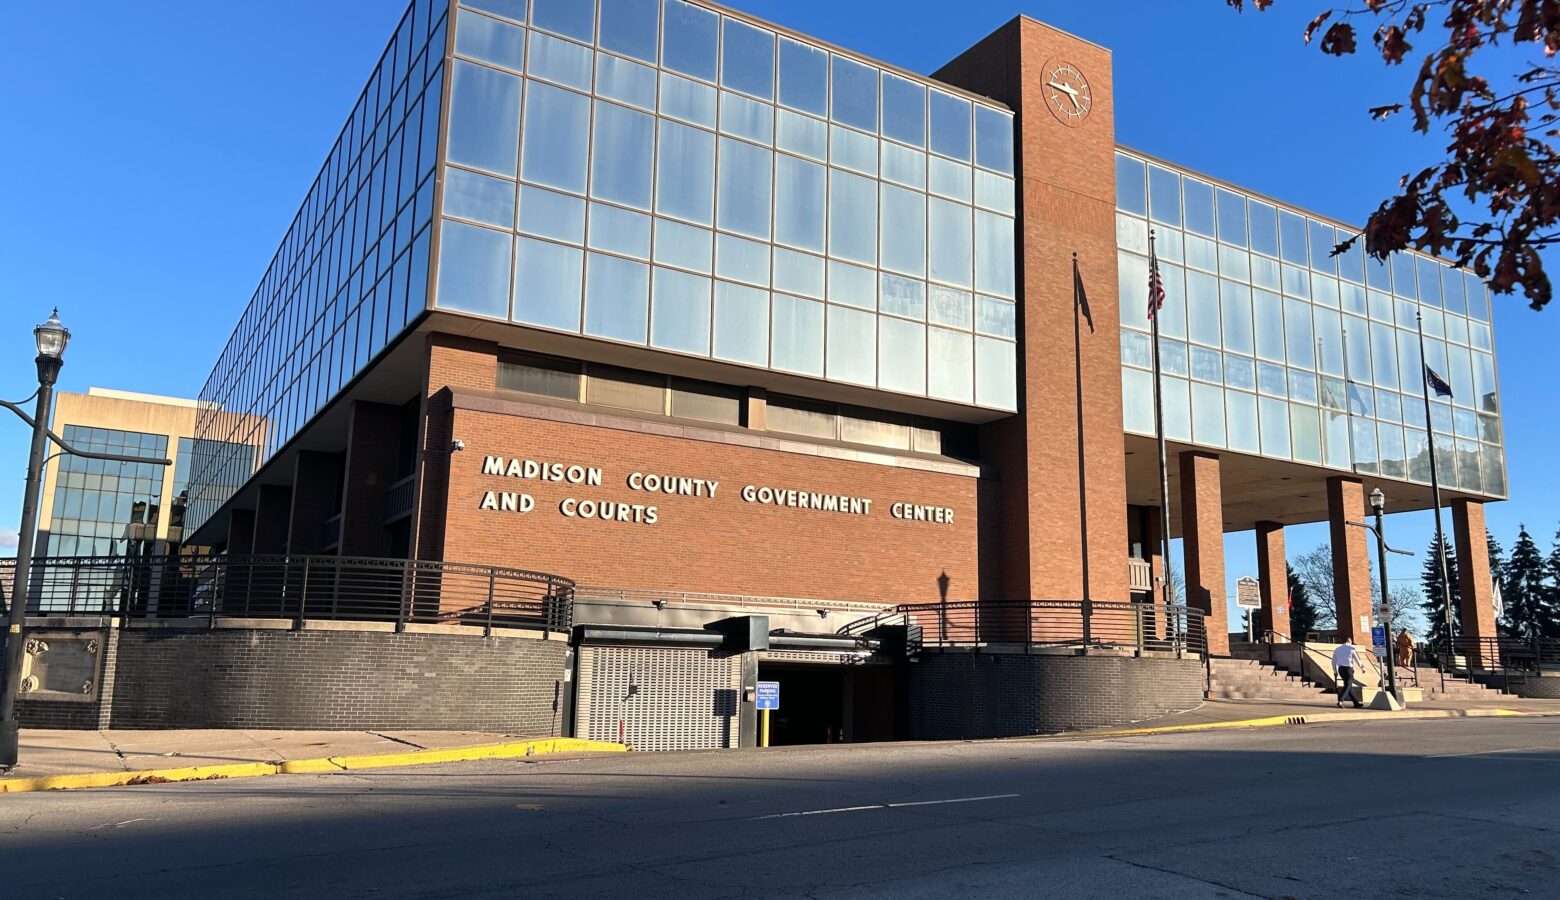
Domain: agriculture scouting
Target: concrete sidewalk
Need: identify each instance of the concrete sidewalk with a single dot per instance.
(1214, 714)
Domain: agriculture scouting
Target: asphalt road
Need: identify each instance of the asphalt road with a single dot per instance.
(1453, 808)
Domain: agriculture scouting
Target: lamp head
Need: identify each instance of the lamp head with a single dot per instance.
(1378, 500)
(51, 337)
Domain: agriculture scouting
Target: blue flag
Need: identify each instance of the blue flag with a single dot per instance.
(1437, 383)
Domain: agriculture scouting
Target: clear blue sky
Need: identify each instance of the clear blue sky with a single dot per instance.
(155, 154)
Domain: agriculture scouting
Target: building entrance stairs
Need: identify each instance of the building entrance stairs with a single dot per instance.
(1250, 679)
(1454, 688)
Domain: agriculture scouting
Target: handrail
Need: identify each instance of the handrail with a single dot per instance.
(298, 587)
(1059, 624)
(1368, 658)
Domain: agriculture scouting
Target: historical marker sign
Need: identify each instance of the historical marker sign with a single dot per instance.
(1248, 593)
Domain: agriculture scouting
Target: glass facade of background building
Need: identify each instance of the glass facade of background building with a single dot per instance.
(659, 174)
(1272, 346)
(107, 508)
(351, 271)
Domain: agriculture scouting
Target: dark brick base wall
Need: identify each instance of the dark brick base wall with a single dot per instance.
(1536, 687)
(961, 695)
(260, 678)
(88, 716)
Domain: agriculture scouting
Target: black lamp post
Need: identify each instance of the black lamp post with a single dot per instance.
(50, 339)
(1378, 505)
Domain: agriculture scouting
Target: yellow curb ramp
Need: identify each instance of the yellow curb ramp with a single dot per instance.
(1303, 719)
(508, 750)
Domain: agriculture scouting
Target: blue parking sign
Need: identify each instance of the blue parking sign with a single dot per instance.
(768, 696)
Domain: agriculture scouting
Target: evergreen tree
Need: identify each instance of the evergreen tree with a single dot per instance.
(1434, 605)
(1302, 607)
(1553, 628)
(1529, 591)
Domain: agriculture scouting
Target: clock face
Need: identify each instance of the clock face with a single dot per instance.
(1067, 92)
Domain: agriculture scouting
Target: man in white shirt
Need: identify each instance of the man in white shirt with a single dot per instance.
(1345, 659)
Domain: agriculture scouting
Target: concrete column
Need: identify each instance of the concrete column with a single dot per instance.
(273, 518)
(373, 447)
(1202, 536)
(1475, 602)
(1351, 559)
(241, 532)
(316, 488)
(757, 409)
(1273, 572)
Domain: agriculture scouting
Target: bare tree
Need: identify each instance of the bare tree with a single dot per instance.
(1314, 568)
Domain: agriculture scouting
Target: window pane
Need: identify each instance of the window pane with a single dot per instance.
(853, 217)
(797, 341)
(626, 389)
(749, 59)
(908, 167)
(550, 214)
(619, 231)
(479, 37)
(1323, 239)
(902, 296)
(744, 175)
(615, 298)
(904, 110)
(904, 241)
(680, 312)
(1137, 392)
(688, 39)
(741, 324)
(562, 61)
(855, 93)
(1270, 326)
(950, 125)
(1164, 200)
(1305, 432)
(798, 273)
(852, 285)
(852, 339)
(478, 197)
(1208, 415)
(484, 129)
(1301, 342)
(1274, 415)
(804, 77)
(950, 242)
(685, 173)
(1291, 230)
(682, 245)
(996, 375)
(623, 148)
(950, 365)
(683, 98)
(557, 138)
(1199, 206)
(950, 307)
(541, 375)
(1235, 300)
(901, 355)
(706, 402)
(1232, 218)
(994, 271)
(742, 260)
(547, 285)
(474, 270)
(853, 150)
(630, 27)
(570, 17)
(993, 139)
(745, 117)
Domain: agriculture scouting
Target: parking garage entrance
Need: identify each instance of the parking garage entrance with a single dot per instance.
(829, 699)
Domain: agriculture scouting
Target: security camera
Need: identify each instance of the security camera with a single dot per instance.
(457, 445)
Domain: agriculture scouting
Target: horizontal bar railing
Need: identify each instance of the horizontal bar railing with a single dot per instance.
(1140, 627)
(298, 588)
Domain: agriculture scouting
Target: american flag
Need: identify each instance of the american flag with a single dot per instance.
(1437, 383)
(1156, 287)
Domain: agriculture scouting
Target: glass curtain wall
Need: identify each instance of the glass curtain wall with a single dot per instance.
(350, 275)
(663, 175)
(1272, 345)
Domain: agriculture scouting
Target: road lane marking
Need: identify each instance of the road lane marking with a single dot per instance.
(1486, 752)
(846, 809)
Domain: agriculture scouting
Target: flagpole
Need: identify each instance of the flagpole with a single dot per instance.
(1159, 432)
(1435, 489)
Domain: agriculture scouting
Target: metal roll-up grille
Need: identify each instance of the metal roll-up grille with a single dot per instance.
(686, 699)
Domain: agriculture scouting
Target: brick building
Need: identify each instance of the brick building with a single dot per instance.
(714, 318)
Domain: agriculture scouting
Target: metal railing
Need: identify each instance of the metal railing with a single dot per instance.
(1512, 659)
(299, 588)
(1042, 624)
(399, 498)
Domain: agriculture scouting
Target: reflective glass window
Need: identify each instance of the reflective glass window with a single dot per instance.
(514, 9)
(680, 312)
(479, 37)
(743, 195)
(1384, 355)
(852, 346)
(628, 82)
(616, 298)
(1206, 365)
(1452, 295)
(682, 245)
(742, 260)
(993, 139)
(950, 125)
(1198, 197)
(797, 335)
(853, 150)
(1324, 238)
(569, 17)
(474, 270)
(562, 61)
(1404, 282)
(1132, 186)
(622, 151)
(852, 285)
(1208, 415)
(997, 317)
(1351, 262)
(800, 208)
(950, 242)
(685, 173)
(949, 178)
(798, 273)
(619, 231)
(1269, 326)
(1429, 281)
(904, 110)
(1164, 195)
(908, 167)
(1478, 300)
(484, 129)
(1232, 217)
(994, 191)
(1264, 227)
(854, 92)
(804, 77)
(853, 225)
(684, 98)
(1305, 432)
(1137, 391)
(1202, 308)
(948, 306)
(1274, 419)
(630, 27)
(748, 59)
(688, 39)
(996, 375)
(994, 258)
(1177, 409)
(802, 134)
(1356, 340)
(1299, 337)
(950, 365)
(1291, 229)
(547, 284)
(1235, 303)
(745, 117)
(479, 197)
(557, 138)
(741, 324)
(901, 296)
(1240, 415)
(551, 214)
(903, 247)
(901, 355)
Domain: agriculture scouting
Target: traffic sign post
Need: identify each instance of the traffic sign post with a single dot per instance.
(1378, 640)
(766, 699)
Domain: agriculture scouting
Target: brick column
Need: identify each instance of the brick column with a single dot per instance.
(1202, 536)
(1475, 603)
(1351, 558)
(273, 518)
(1273, 572)
(241, 532)
(316, 488)
(373, 444)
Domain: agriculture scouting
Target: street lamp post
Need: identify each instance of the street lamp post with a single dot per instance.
(1378, 504)
(50, 339)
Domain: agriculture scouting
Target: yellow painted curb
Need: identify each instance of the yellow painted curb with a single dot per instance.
(508, 750)
(1301, 719)
(1199, 726)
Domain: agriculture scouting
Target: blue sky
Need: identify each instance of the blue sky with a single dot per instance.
(156, 153)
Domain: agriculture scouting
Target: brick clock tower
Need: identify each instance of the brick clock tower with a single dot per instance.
(1063, 533)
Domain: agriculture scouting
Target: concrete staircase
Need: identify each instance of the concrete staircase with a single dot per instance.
(1250, 679)
(1456, 688)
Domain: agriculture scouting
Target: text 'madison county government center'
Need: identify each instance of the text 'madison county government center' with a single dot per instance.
(786, 364)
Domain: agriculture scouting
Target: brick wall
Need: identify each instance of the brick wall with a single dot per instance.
(962, 695)
(719, 544)
(88, 716)
(263, 678)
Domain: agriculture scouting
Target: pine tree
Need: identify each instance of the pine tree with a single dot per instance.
(1529, 591)
(1434, 605)
(1302, 608)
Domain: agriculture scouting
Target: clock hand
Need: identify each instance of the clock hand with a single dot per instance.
(1070, 91)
